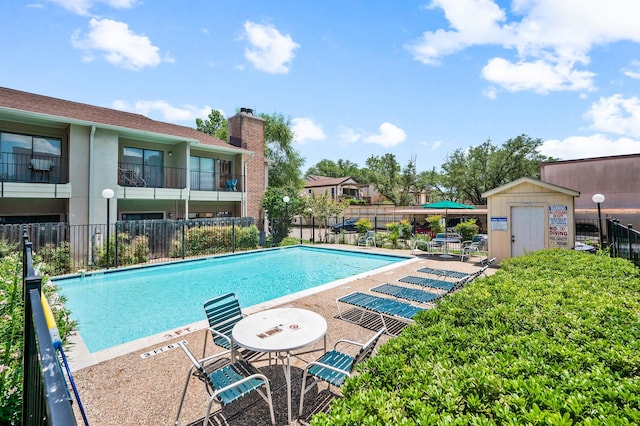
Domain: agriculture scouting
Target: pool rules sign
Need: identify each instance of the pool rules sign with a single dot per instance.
(559, 226)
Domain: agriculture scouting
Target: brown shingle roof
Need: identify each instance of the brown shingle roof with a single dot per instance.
(62, 109)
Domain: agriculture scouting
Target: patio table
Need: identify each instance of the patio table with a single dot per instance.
(281, 331)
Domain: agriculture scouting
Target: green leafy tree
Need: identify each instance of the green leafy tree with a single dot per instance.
(432, 182)
(395, 183)
(384, 173)
(469, 173)
(321, 207)
(408, 184)
(286, 162)
(279, 212)
(216, 125)
(340, 168)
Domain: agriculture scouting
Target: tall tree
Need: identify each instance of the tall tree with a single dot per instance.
(321, 207)
(341, 168)
(469, 173)
(279, 212)
(384, 174)
(216, 125)
(286, 162)
(408, 183)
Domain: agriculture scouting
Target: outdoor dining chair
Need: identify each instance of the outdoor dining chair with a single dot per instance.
(223, 312)
(368, 239)
(225, 382)
(335, 366)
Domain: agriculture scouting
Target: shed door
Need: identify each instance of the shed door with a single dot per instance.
(527, 230)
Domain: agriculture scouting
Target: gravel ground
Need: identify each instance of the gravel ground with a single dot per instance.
(132, 390)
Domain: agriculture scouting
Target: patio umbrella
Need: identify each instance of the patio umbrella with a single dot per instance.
(446, 205)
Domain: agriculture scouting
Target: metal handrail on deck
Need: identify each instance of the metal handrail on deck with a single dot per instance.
(46, 398)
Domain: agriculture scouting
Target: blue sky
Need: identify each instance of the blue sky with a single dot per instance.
(357, 78)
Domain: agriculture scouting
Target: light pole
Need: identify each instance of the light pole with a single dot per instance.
(108, 194)
(286, 213)
(313, 227)
(598, 199)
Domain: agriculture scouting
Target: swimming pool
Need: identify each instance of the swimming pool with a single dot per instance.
(120, 306)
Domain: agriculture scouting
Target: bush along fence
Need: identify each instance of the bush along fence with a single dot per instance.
(68, 249)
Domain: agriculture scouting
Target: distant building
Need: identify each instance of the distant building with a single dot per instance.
(337, 188)
(615, 177)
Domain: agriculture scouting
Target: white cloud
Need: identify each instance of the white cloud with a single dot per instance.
(616, 114)
(475, 22)
(538, 76)
(82, 7)
(165, 111)
(118, 44)
(269, 50)
(633, 71)
(349, 135)
(598, 145)
(550, 37)
(490, 92)
(389, 136)
(306, 130)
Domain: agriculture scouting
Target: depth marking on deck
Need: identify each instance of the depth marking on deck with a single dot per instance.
(161, 350)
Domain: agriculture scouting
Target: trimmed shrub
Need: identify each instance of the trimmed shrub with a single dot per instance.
(57, 259)
(550, 339)
(214, 239)
(467, 229)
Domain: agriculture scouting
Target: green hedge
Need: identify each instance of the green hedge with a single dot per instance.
(11, 332)
(553, 338)
(214, 239)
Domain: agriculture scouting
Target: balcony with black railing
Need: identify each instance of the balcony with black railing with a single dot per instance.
(210, 181)
(33, 168)
(146, 176)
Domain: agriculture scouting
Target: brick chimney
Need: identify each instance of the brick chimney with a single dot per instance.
(246, 131)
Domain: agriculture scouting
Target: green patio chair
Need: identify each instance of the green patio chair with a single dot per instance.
(334, 366)
(223, 312)
(225, 382)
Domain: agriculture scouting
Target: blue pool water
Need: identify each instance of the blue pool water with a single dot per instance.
(121, 306)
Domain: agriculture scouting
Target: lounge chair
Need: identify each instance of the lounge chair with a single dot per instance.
(369, 238)
(381, 306)
(334, 366)
(225, 382)
(223, 312)
(444, 273)
(413, 294)
(430, 282)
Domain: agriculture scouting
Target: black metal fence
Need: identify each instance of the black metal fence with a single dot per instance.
(624, 241)
(71, 248)
(46, 399)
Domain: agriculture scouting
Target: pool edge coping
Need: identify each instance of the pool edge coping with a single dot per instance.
(79, 356)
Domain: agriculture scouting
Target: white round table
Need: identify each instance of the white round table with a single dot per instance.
(282, 331)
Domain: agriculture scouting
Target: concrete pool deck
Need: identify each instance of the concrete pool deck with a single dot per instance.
(141, 383)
